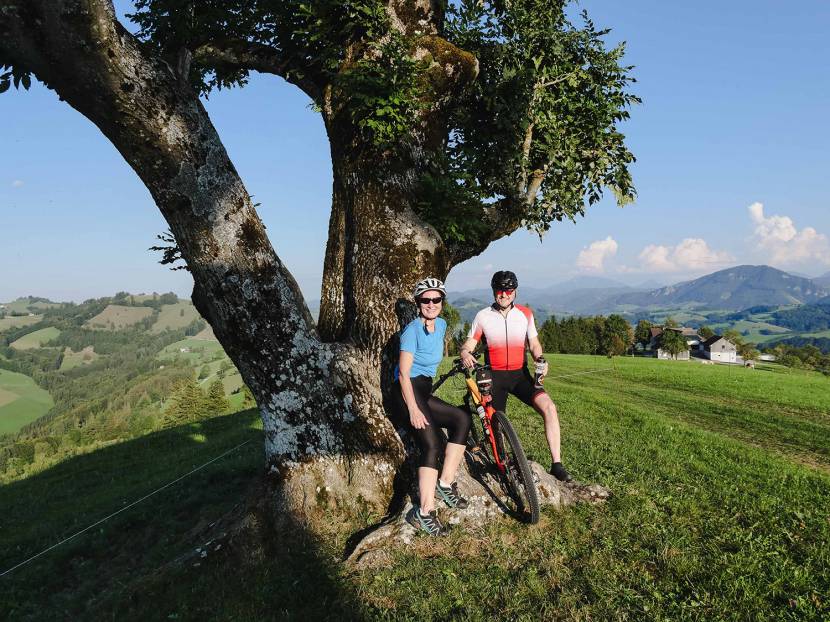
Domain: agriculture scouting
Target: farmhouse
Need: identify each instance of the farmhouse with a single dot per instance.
(692, 340)
(718, 348)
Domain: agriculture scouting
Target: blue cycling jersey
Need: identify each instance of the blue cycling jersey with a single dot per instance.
(426, 347)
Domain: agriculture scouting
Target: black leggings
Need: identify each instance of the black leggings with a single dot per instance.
(438, 413)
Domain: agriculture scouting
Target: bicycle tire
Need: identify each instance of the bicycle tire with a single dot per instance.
(518, 476)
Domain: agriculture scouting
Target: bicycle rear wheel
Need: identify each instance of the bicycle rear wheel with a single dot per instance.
(518, 477)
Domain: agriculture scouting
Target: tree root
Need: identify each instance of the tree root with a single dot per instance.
(483, 491)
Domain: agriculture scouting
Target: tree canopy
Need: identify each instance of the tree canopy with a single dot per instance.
(527, 142)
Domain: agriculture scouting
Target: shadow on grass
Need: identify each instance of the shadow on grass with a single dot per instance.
(131, 566)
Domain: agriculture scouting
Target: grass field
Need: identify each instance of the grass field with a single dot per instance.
(15, 322)
(21, 401)
(36, 339)
(74, 359)
(196, 351)
(24, 305)
(721, 494)
(115, 317)
(178, 315)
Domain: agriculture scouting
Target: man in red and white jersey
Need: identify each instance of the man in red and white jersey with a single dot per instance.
(507, 329)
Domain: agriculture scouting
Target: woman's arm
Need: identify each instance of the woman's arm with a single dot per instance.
(416, 417)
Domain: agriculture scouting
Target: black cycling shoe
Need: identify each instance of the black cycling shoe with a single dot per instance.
(560, 473)
(451, 496)
(429, 524)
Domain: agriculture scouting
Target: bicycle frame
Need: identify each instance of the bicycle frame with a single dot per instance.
(483, 406)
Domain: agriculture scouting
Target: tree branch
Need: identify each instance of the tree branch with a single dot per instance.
(247, 55)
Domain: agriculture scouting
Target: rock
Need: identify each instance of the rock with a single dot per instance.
(484, 494)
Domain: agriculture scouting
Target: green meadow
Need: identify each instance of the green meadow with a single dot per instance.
(36, 339)
(720, 480)
(21, 401)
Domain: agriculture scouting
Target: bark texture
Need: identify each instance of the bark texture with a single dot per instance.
(320, 402)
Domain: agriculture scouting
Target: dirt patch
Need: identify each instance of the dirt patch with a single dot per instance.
(7, 397)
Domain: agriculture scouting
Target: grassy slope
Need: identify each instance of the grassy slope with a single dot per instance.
(36, 339)
(720, 482)
(119, 316)
(73, 359)
(201, 351)
(16, 321)
(171, 316)
(29, 401)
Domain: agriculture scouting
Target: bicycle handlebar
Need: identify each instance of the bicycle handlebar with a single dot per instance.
(457, 368)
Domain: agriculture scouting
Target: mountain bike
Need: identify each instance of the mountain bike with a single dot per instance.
(496, 445)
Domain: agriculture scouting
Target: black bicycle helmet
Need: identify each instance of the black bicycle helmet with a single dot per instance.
(504, 279)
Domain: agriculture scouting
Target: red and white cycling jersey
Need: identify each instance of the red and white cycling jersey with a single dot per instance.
(506, 336)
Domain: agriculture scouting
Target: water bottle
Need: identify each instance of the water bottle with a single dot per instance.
(541, 370)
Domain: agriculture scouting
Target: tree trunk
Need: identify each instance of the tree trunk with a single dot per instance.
(321, 404)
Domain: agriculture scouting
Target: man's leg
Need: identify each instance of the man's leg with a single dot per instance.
(545, 407)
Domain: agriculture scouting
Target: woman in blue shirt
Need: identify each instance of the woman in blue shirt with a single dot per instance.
(422, 347)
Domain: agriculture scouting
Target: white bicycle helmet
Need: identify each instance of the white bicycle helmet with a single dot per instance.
(427, 284)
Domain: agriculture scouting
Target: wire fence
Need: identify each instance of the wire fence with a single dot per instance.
(125, 508)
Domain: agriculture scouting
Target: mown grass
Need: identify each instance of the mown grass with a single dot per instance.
(13, 321)
(36, 339)
(174, 316)
(115, 317)
(21, 401)
(719, 511)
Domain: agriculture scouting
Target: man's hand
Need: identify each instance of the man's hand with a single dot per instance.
(541, 367)
(467, 359)
(417, 419)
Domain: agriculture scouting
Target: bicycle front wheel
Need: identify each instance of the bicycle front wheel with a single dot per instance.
(518, 477)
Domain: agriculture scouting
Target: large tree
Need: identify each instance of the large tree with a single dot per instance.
(450, 126)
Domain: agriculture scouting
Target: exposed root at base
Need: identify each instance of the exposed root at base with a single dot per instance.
(375, 548)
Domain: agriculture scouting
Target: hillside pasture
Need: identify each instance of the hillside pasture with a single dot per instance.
(36, 339)
(231, 381)
(24, 305)
(175, 316)
(21, 401)
(74, 359)
(720, 480)
(196, 351)
(206, 334)
(115, 317)
(17, 321)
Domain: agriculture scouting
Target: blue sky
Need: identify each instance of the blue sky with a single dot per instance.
(731, 140)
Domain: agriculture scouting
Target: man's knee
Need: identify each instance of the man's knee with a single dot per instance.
(544, 405)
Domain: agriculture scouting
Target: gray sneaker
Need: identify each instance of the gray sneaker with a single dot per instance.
(429, 524)
(451, 496)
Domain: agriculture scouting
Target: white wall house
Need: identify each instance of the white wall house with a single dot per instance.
(720, 349)
(692, 340)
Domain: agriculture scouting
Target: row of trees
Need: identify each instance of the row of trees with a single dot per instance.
(610, 335)
(801, 357)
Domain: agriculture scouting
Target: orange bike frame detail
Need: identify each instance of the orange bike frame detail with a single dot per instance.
(484, 401)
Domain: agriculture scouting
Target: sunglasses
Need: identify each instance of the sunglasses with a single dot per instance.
(434, 301)
(504, 292)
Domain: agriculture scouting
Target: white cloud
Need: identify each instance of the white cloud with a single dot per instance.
(592, 258)
(778, 237)
(690, 254)
(17, 183)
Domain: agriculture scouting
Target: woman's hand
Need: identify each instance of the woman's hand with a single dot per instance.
(417, 419)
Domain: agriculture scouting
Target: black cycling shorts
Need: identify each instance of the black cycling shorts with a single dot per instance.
(430, 440)
(515, 381)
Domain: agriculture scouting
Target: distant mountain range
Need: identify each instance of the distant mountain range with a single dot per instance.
(823, 280)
